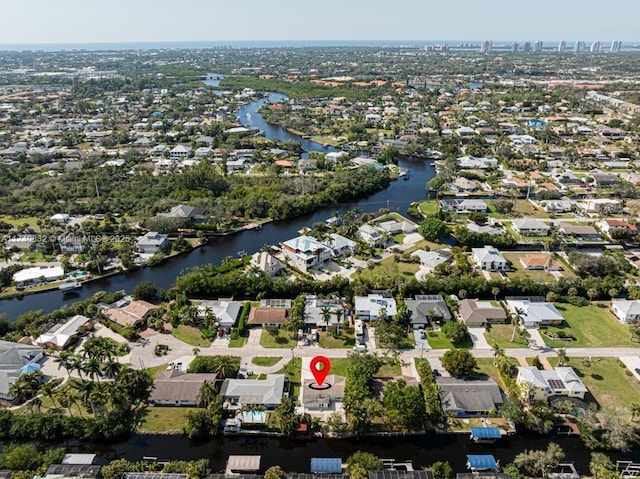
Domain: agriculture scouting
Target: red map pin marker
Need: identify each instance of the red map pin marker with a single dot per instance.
(320, 367)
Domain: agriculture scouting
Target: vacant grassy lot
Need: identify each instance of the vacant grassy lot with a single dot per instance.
(282, 339)
(389, 371)
(190, 335)
(265, 361)
(609, 383)
(501, 335)
(437, 340)
(344, 340)
(238, 342)
(593, 326)
(163, 419)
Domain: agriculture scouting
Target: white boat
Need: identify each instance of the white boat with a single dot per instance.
(67, 287)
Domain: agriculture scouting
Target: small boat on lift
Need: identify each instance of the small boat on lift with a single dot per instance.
(69, 287)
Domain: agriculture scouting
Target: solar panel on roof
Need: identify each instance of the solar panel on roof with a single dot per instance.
(556, 384)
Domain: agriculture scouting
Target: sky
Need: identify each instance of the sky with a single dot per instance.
(106, 21)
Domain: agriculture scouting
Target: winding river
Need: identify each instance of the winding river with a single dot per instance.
(397, 197)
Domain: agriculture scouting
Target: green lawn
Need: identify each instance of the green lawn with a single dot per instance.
(238, 342)
(339, 366)
(608, 382)
(437, 340)
(190, 335)
(12, 220)
(593, 326)
(343, 341)
(429, 207)
(163, 419)
(389, 371)
(501, 335)
(35, 257)
(486, 367)
(523, 207)
(157, 370)
(282, 340)
(265, 361)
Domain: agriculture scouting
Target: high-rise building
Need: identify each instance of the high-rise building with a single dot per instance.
(537, 46)
(514, 47)
(578, 47)
(615, 46)
(595, 47)
(486, 46)
(526, 47)
(562, 46)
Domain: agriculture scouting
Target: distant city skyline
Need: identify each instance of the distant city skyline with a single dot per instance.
(74, 21)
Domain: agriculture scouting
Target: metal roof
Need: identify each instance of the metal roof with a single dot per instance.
(153, 475)
(394, 474)
(326, 464)
(243, 463)
(481, 461)
(78, 459)
(486, 432)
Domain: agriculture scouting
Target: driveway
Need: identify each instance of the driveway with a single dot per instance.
(421, 343)
(254, 337)
(477, 336)
(537, 337)
(633, 364)
(436, 364)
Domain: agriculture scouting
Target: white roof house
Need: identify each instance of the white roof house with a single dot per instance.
(306, 252)
(266, 263)
(266, 392)
(60, 218)
(530, 227)
(38, 275)
(431, 259)
(62, 334)
(372, 235)
(373, 305)
(340, 245)
(489, 258)
(226, 312)
(562, 381)
(626, 311)
(536, 313)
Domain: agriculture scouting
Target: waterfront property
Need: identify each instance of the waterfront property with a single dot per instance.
(37, 274)
(177, 388)
(541, 384)
(133, 314)
(267, 263)
(153, 242)
(469, 397)
(373, 236)
(530, 227)
(266, 392)
(315, 399)
(63, 335)
(223, 311)
(15, 360)
(489, 258)
(305, 252)
(340, 245)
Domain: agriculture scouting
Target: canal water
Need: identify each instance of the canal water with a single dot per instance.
(296, 456)
(397, 197)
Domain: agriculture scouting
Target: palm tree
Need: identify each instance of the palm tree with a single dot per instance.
(111, 368)
(92, 368)
(562, 356)
(48, 389)
(64, 360)
(325, 313)
(519, 315)
(634, 408)
(495, 291)
(497, 351)
(224, 366)
(85, 391)
(592, 293)
(206, 394)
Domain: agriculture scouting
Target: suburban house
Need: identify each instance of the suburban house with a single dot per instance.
(152, 242)
(431, 259)
(267, 263)
(396, 227)
(426, 309)
(535, 313)
(62, 335)
(340, 245)
(133, 314)
(478, 313)
(562, 381)
(469, 397)
(464, 185)
(489, 258)
(15, 360)
(314, 309)
(225, 312)
(177, 388)
(373, 236)
(179, 152)
(604, 180)
(484, 229)
(305, 252)
(268, 316)
(558, 206)
(322, 399)
(609, 226)
(463, 205)
(186, 212)
(38, 274)
(72, 243)
(471, 162)
(530, 227)
(540, 261)
(375, 306)
(250, 392)
(580, 233)
(626, 311)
